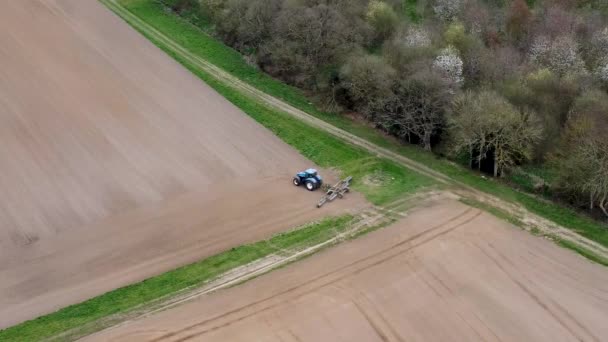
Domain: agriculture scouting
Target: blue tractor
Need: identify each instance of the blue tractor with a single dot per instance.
(310, 178)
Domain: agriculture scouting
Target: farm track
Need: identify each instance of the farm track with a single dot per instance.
(530, 219)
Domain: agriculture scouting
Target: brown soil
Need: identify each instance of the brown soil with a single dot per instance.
(445, 273)
(118, 164)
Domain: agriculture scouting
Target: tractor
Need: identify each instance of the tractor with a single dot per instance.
(310, 178)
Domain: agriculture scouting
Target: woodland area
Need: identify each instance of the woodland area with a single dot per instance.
(499, 85)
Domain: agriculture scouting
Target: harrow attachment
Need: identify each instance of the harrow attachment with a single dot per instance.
(338, 190)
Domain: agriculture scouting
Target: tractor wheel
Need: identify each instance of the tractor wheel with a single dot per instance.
(310, 186)
(296, 181)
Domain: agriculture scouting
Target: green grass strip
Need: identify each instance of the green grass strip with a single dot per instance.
(582, 251)
(127, 298)
(208, 48)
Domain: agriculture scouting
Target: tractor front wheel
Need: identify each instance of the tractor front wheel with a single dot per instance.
(296, 181)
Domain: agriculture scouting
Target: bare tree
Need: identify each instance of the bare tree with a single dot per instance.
(304, 39)
(419, 107)
(246, 24)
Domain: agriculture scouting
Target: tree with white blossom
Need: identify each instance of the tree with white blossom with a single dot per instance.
(560, 55)
(450, 65)
(417, 37)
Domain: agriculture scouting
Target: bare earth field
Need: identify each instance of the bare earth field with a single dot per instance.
(445, 273)
(118, 164)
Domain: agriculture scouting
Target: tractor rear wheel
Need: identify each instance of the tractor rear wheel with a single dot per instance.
(310, 186)
(296, 181)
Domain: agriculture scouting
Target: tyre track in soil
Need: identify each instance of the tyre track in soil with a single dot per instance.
(554, 313)
(362, 297)
(544, 225)
(338, 274)
(457, 311)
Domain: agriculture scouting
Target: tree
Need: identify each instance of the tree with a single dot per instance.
(246, 24)
(519, 19)
(477, 18)
(450, 65)
(447, 10)
(491, 66)
(417, 112)
(560, 55)
(551, 97)
(484, 123)
(582, 161)
(602, 73)
(211, 8)
(598, 55)
(416, 37)
(368, 82)
(555, 21)
(305, 39)
(382, 18)
(455, 35)
(409, 49)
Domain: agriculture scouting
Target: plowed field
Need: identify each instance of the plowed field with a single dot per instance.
(118, 164)
(445, 273)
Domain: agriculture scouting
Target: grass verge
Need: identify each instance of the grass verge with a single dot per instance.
(130, 297)
(196, 41)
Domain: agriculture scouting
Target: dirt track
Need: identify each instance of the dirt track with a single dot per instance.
(118, 164)
(445, 273)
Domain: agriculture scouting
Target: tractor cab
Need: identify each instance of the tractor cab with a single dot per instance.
(310, 178)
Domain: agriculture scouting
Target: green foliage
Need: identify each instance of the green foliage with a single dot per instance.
(411, 10)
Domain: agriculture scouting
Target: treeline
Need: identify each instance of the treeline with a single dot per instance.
(495, 84)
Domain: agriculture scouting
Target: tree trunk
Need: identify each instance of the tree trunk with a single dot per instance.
(471, 157)
(495, 168)
(427, 140)
(603, 205)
